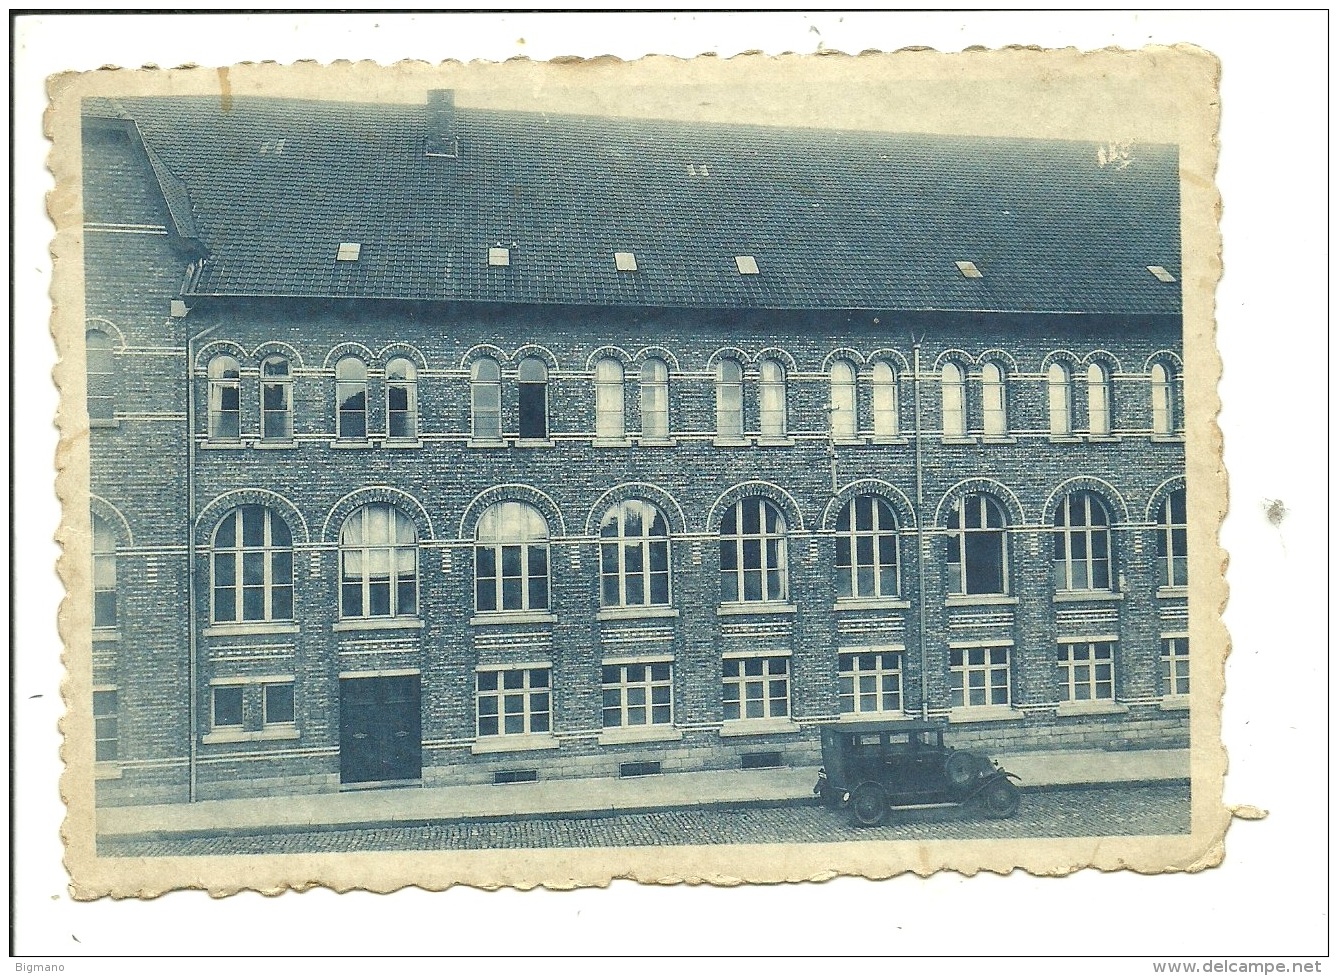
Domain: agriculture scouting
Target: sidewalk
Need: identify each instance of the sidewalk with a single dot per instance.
(584, 797)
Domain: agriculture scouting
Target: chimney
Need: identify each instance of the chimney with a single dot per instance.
(442, 139)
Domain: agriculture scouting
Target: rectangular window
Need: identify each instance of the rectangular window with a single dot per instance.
(870, 682)
(276, 411)
(1175, 666)
(106, 725)
(278, 702)
(516, 701)
(638, 694)
(227, 707)
(979, 676)
(1087, 671)
(756, 687)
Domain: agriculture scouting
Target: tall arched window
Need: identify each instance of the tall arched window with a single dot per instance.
(511, 559)
(867, 563)
(532, 383)
(1173, 541)
(994, 399)
(609, 422)
(843, 412)
(954, 400)
(729, 400)
(654, 400)
(886, 401)
(1059, 387)
(634, 556)
(351, 399)
(485, 399)
(252, 567)
(977, 546)
(378, 563)
(753, 559)
(401, 400)
(276, 399)
(225, 399)
(101, 371)
(104, 573)
(1082, 543)
(1098, 400)
(771, 398)
(1164, 419)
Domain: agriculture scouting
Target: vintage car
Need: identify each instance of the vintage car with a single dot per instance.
(873, 767)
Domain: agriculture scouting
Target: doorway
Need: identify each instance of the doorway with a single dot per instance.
(380, 729)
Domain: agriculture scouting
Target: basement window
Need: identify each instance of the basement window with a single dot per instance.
(348, 252)
(1160, 273)
(499, 257)
(649, 767)
(624, 260)
(747, 264)
(969, 269)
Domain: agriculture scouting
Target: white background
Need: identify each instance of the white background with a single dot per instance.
(1269, 898)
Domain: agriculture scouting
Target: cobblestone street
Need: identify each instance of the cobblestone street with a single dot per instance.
(1106, 811)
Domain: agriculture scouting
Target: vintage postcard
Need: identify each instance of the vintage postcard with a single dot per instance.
(745, 470)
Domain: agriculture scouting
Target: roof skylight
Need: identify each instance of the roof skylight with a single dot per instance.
(1160, 273)
(969, 269)
(499, 257)
(349, 252)
(624, 260)
(747, 264)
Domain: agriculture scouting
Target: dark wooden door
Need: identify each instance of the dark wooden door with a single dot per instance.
(380, 729)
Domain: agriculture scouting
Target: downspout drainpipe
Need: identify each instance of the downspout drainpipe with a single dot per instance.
(192, 639)
(920, 537)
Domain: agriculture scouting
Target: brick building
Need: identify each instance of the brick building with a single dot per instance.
(447, 445)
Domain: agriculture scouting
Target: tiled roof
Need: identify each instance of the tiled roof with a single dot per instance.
(834, 219)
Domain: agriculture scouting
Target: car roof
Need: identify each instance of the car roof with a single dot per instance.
(887, 725)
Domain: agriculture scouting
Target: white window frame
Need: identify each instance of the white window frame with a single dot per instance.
(497, 547)
(1172, 542)
(225, 398)
(281, 383)
(994, 399)
(996, 676)
(100, 367)
(772, 398)
(880, 537)
(407, 382)
(656, 680)
(350, 384)
(485, 418)
(843, 417)
(653, 386)
(265, 720)
(1059, 387)
(393, 548)
(1164, 417)
(886, 401)
(272, 579)
(532, 372)
(529, 692)
(103, 718)
(1079, 666)
(960, 548)
(620, 545)
(887, 667)
(729, 400)
(743, 683)
(214, 690)
(1076, 572)
(1174, 666)
(1099, 401)
(104, 573)
(610, 415)
(952, 380)
(739, 543)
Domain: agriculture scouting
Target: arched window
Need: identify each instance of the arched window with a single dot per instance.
(104, 573)
(532, 382)
(609, 423)
(753, 559)
(954, 400)
(1164, 416)
(276, 399)
(485, 399)
(511, 559)
(101, 370)
(1172, 541)
(1098, 400)
(351, 399)
(729, 400)
(771, 398)
(994, 399)
(634, 556)
(1059, 387)
(252, 567)
(654, 400)
(886, 412)
(1082, 543)
(867, 563)
(977, 546)
(378, 563)
(843, 412)
(225, 399)
(401, 400)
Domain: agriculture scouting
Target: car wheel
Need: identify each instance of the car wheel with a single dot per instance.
(1000, 799)
(869, 804)
(960, 769)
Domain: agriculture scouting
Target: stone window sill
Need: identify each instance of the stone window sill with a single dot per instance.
(1104, 438)
(998, 439)
(106, 770)
(958, 440)
(1175, 703)
(1173, 593)
(104, 423)
(856, 604)
(237, 445)
(1168, 438)
(613, 442)
(983, 713)
(275, 733)
(258, 628)
(1088, 596)
(513, 743)
(506, 617)
(849, 441)
(980, 600)
(106, 634)
(759, 608)
(1065, 439)
(732, 442)
(876, 717)
(378, 623)
(635, 613)
(535, 442)
(775, 442)
(657, 441)
(1091, 708)
(890, 441)
(401, 444)
(275, 445)
(639, 733)
(485, 442)
(351, 445)
(758, 726)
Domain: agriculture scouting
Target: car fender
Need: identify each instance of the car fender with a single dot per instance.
(989, 778)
